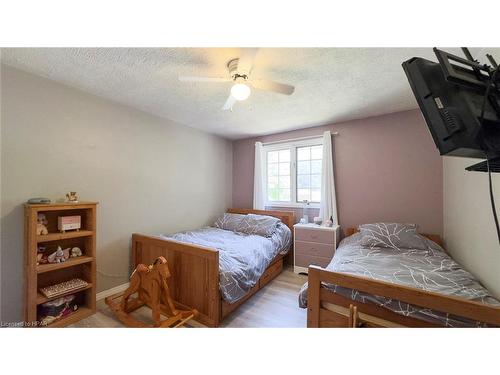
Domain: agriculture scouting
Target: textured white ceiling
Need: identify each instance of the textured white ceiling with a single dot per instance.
(331, 84)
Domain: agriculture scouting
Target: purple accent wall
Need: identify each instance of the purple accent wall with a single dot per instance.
(386, 169)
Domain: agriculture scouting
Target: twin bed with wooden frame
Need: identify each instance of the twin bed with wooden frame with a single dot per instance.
(195, 270)
(328, 309)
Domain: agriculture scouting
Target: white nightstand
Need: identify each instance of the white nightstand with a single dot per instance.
(313, 244)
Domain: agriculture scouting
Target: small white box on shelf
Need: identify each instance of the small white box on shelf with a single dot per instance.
(65, 223)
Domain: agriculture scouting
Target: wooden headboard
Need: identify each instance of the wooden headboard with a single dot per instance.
(287, 217)
(433, 237)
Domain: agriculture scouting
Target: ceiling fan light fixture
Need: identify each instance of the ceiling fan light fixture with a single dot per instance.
(240, 91)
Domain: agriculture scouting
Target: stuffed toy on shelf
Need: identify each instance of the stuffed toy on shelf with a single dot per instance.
(76, 252)
(41, 225)
(59, 255)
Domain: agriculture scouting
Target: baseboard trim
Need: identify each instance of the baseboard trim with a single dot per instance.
(110, 292)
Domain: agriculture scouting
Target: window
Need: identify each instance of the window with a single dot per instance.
(293, 173)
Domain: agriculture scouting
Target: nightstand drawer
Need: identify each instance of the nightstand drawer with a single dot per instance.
(315, 249)
(307, 260)
(315, 235)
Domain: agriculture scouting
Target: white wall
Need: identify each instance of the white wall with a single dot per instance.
(469, 230)
(150, 175)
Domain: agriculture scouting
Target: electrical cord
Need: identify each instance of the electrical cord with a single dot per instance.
(490, 183)
(112, 275)
(492, 200)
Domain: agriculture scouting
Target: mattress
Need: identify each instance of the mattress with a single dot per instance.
(431, 270)
(243, 258)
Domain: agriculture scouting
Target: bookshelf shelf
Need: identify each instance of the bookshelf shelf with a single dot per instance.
(63, 236)
(40, 298)
(81, 313)
(69, 263)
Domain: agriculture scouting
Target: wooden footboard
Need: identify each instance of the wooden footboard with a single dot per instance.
(195, 273)
(327, 309)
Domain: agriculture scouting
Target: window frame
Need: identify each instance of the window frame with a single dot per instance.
(292, 145)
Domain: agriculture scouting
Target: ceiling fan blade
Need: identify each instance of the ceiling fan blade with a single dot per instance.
(280, 88)
(203, 79)
(228, 105)
(246, 60)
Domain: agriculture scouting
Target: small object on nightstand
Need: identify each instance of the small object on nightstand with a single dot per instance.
(329, 222)
(317, 220)
(305, 212)
(313, 245)
(71, 197)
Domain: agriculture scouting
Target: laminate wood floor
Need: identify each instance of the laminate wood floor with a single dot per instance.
(275, 305)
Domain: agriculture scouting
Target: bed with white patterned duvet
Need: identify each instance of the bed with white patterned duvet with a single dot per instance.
(430, 270)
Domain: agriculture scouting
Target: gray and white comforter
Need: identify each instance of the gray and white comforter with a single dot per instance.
(431, 270)
(243, 258)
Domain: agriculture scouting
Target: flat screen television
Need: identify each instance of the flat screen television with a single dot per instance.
(450, 95)
(460, 101)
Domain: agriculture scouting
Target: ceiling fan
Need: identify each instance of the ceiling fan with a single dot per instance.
(239, 73)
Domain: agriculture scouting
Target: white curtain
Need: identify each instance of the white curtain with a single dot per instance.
(258, 178)
(328, 206)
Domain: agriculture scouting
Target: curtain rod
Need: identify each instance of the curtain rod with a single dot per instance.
(296, 139)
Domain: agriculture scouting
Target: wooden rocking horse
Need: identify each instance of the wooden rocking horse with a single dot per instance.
(150, 284)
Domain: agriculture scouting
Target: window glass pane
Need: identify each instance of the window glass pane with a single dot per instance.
(272, 182)
(272, 194)
(284, 156)
(284, 195)
(272, 157)
(272, 169)
(285, 182)
(303, 167)
(303, 181)
(316, 167)
(278, 175)
(315, 195)
(316, 181)
(303, 153)
(284, 169)
(309, 173)
(317, 152)
(303, 194)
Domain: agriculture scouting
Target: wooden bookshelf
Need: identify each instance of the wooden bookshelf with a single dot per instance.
(84, 267)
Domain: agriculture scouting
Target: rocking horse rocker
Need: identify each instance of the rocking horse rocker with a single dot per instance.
(150, 284)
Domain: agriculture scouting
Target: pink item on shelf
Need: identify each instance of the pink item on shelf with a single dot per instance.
(65, 223)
